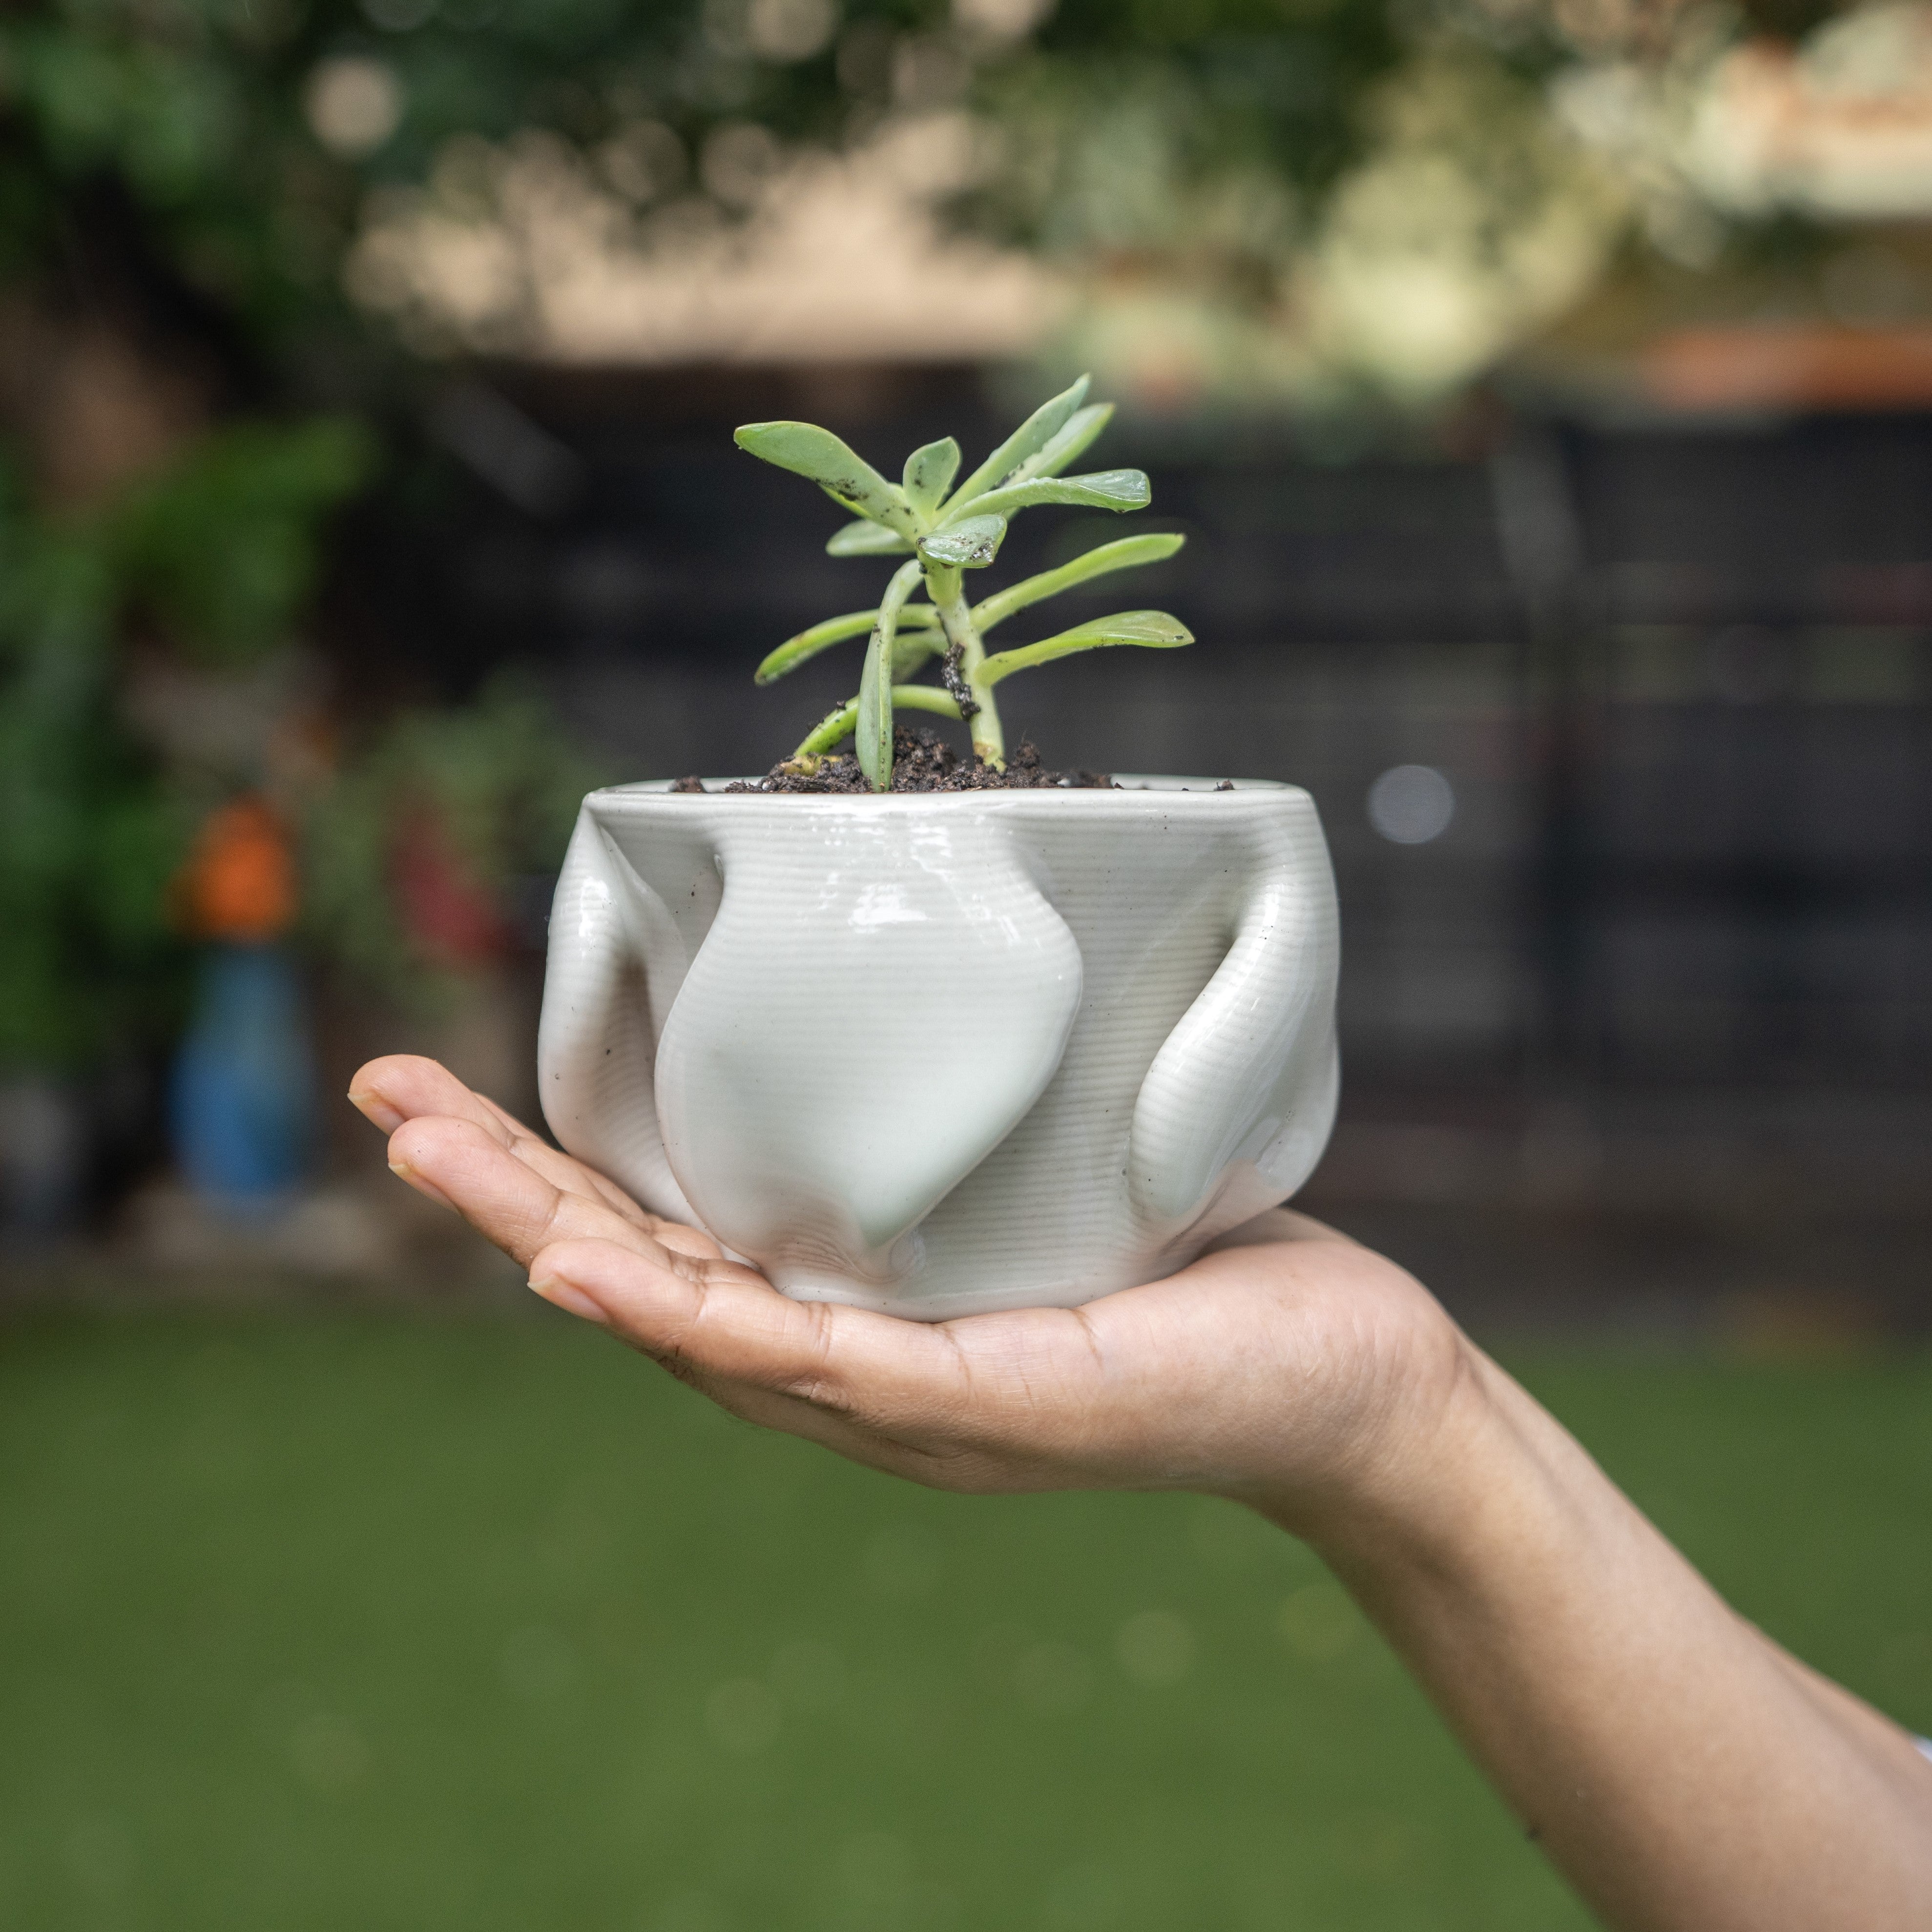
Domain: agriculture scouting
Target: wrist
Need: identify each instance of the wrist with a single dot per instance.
(1489, 1509)
(1420, 1473)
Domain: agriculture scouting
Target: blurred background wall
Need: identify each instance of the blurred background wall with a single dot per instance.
(1546, 392)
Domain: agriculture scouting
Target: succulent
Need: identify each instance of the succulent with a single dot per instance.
(948, 529)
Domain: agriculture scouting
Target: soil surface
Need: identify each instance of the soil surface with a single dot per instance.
(921, 762)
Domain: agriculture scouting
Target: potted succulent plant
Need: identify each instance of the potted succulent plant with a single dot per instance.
(937, 1034)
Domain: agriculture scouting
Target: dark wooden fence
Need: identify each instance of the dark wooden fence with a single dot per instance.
(1679, 682)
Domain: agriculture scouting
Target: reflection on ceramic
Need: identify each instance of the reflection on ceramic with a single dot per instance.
(943, 1053)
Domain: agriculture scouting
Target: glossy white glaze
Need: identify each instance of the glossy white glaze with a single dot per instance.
(939, 1054)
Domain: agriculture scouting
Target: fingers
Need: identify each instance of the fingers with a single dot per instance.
(405, 1086)
(401, 1086)
(890, 1393)
(963, 1405)
(561, 1170)
(728, 1322)
(502, 1193)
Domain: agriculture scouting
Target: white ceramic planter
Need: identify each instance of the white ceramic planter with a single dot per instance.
(943, 1053)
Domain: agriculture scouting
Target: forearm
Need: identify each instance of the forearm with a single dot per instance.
(1685, 1773)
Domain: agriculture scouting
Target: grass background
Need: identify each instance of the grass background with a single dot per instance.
(381, 1621)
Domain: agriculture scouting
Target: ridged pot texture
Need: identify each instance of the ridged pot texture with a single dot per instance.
(939, 1053)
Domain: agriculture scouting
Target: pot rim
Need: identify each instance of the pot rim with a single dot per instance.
(1129, 788)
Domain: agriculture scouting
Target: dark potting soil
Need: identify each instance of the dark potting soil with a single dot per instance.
(921, 762)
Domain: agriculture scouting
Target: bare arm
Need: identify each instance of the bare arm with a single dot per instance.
(1685, 1773)
(1683, 1770)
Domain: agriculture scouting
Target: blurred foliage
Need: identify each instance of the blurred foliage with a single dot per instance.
(494, 786)
(91, 840)
(242, 134)
(192, 174)
(213, 555)
(221, 551)
(239, 141)
(1211, 126)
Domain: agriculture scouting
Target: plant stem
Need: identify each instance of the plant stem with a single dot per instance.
(944, 585)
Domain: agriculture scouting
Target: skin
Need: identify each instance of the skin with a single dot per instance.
(1684, 1773)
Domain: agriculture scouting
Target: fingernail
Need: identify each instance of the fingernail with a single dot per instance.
(402, 1170)
(372, 1106)
(571, 1300)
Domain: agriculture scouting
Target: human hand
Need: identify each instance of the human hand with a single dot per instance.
(1289, 1367)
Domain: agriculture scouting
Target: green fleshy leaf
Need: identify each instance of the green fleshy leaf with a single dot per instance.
(795, 651)
(925, 697)
(872, 725)
(971, 544)
(844, 475)
(1152, 628)
(836, 724)
(1083, 430)
(873, 730)
(1104, 490)
(1039, 429)
(929, 472)
(866, 539)
(1123, 553)
(840, 722)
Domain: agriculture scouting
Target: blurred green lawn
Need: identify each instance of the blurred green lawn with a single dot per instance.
(378, 1621)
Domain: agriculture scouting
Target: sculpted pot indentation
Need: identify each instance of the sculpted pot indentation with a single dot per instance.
(850, 1043)
(941, 1053)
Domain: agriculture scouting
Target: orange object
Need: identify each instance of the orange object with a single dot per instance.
(240, 881)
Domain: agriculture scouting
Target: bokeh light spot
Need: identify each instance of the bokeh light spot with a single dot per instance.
(1155, 1647)
(354, 104)
(808, 1676)
(327, 1752)
(902, 1561)
(1055, 1677)
(743, 1715)
(1410, 805)
(538, 1665)
(1318, 1622)
(691, 1911)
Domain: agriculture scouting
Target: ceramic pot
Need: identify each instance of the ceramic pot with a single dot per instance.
(939, 1053)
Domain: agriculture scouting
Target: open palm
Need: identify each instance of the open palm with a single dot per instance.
(1273, 1365)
